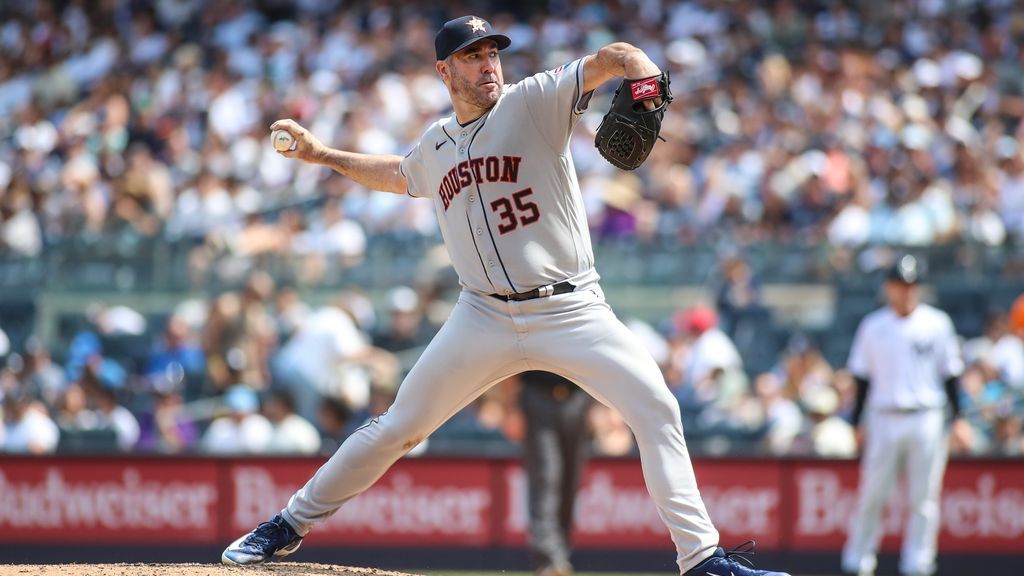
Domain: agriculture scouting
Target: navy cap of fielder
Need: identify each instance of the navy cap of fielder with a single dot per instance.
(906, 270)
(461, 32)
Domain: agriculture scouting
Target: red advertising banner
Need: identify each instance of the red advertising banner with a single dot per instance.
(982, 507)
(418, 502)
(97, 500)
(783, 504)
(614, 510)
(744, 499)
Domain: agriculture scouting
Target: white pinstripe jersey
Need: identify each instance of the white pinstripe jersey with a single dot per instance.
(907, 360)
(504, 186)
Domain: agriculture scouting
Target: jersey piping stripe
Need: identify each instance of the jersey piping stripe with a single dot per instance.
(478, 255)
(483, 208)
(576, 92)
(402, 172)
(445, 130)
(580, 100)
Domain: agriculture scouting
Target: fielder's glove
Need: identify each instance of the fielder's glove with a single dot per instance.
(627, 133)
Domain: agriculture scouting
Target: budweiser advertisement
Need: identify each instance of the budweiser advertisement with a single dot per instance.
(982, 507)
(418, 502)
(474, 503)
(131, 501)
(613, 509)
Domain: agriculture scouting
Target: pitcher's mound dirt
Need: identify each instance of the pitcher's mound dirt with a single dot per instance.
(273, 569)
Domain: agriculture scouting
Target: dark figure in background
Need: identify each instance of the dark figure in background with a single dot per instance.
(554, 452)
(738, 291)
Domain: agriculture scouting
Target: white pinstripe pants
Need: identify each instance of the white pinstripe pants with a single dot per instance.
(916, 442)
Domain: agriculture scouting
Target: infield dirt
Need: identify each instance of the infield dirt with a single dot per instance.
(278, 569)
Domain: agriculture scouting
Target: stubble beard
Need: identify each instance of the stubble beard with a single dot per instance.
(473, 94)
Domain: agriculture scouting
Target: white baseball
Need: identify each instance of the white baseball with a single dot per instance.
(282, 140)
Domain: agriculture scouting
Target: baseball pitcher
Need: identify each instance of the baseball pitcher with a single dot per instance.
(504, 188)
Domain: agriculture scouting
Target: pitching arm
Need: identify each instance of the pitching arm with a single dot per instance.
(375, 171)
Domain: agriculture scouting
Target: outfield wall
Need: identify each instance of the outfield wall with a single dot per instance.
(790, 506)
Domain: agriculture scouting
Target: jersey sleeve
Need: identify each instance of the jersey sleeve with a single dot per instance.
(414, 169)
(859, 363)
(555, 101)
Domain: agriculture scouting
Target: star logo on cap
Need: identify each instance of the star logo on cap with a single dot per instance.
(476, 25)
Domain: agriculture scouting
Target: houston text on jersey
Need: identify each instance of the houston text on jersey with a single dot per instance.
(489, 169)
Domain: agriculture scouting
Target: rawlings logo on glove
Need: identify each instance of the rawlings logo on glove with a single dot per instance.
(645, 89)
(627, 133)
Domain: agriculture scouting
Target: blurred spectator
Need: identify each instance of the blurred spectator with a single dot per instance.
(291, 433)
(487, 419)
(334, 422)
(290, 312)
(73, 411)
(178, 357)
(1000, 349)
(979, 397)
(1009, 435)
(331, 356)
(713, 370)
(782, 416)
(118, 319)
(804, 367)
(113, 416)
(826, 434)
(20, 233)
(166, 427)
(406, 327)
(739, 290)
(41, 376)
(330, 245)
(618, 217)
(27, 426)
(1009, 350)
(322, 359)
(236, 332)
(611, 436)
(243, 430)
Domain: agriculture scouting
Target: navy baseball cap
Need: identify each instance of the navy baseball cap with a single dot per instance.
(906, 270)
(461, 32)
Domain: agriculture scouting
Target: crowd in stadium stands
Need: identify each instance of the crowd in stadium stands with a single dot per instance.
(259, 371)
(839, 123)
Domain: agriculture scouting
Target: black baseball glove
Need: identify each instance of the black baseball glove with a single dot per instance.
(627, 133)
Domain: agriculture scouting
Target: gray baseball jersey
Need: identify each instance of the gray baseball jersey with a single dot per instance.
(512, 219)
(506, 195)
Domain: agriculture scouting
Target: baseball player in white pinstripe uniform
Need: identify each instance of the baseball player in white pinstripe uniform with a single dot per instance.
(504, 188)
(906, 360)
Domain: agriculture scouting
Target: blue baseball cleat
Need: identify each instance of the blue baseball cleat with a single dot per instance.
(723, 563)
(274, 539)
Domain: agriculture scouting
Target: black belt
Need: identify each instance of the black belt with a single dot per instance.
(542, 292)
